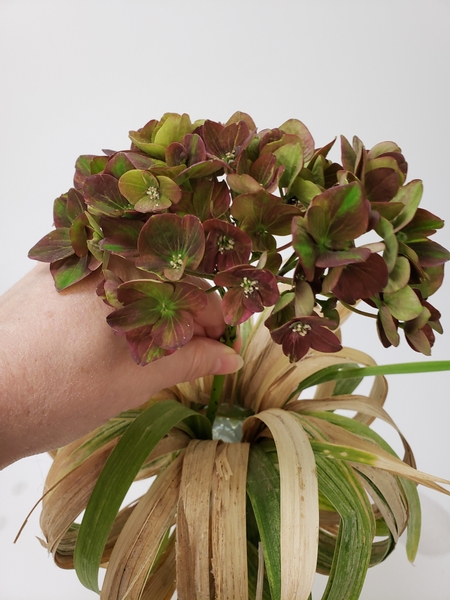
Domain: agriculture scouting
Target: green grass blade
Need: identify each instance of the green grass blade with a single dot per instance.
(355, 427)
(263, 489)
(253, 563)
(356, 530)
(118, 474)
(114, 428)
(415, 519)
(344, 371)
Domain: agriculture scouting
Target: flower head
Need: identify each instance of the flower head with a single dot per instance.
(226, 246)
(157, 317)
(149, 193)
(300, 334)
(253, 209)
(168, 244)
(249, 291)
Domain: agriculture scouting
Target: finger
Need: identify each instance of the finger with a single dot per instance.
(200, 357)
(210, 323)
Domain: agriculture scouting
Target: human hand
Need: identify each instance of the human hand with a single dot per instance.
(64, 372)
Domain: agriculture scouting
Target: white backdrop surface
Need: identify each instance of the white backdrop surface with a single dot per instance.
(75, 76)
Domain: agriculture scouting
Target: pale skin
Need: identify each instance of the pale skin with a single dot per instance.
(64, 372)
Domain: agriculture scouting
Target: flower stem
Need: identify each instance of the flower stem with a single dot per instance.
(285, 247)
(216, 394)
(212, 289)
(228, 339)
(357, 311)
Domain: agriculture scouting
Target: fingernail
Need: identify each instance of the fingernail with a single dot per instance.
(229, 362)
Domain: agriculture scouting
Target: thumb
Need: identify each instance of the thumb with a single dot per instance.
(200, 357)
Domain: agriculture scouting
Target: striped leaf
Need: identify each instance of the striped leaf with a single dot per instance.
(118, 474)
(356, 530)
(299, 517)
(263, 489)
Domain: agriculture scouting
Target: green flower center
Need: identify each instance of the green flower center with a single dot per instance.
(167, 309)
(176, 261)
(229, 157)
(301, 328)
(249, 286)
(225, 243)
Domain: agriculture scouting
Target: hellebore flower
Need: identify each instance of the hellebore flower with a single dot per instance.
(71, 246)
(155, 136)
(226, 246)
(359, 280)
(262, 216)
(103, 196)
(148, 193)
(168, 244)
(226, 142)
(300, 334)
(419, 331)
(208, 199)
(264, 173)
(325, 236)
(191, 153)
(249, 291)
(157, 317)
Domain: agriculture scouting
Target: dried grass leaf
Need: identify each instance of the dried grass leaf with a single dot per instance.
(299, 500)
(389, 497)
(162, 582)
(362, 405)
(73, 482)
(379, 389)
(380, 459)
(64, 553)
(193, 530)
(228, 522)
(73, 489)
(260, 577)
(140, 539)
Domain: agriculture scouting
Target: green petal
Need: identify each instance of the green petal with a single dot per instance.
(403, 304)
(290, 157)
(135, 183)
(409, 195)
(56, 245)
(173, 129)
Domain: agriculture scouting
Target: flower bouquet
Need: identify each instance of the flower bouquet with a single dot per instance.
(262, 477)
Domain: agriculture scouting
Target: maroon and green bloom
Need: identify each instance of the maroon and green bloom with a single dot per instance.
(258, 213)
(300, 334)
(249, 291)
(157, 317)
(226, 246)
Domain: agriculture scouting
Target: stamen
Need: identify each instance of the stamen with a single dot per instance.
(225, 243)
(300, 328)
(153, 193)
(176, 261)
(249, 286)
(229, 157)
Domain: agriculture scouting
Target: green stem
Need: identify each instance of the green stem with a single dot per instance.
(214, 400)
(289, 264)
(228, 339)
(282, 279)
(357, 311)
(212, 289)
(288, 245)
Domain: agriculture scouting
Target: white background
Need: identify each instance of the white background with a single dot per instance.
(75, 76)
